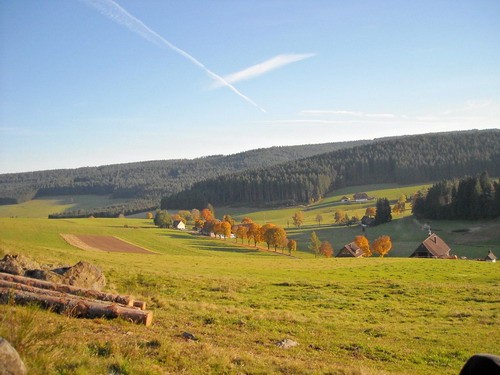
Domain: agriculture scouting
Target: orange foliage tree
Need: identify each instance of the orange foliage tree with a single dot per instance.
(363, 244)
(292, 246)
(241, 232)
(254, 233)
(326, 249)
(382, 245)
(371, 212)
(225, 229)
(206, 214)
(298, 218)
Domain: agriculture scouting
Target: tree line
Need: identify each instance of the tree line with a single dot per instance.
(146, 182)
(469, 198)
(403, 160)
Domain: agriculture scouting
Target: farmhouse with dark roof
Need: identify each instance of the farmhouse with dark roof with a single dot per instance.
(350, 250)
(432, 247)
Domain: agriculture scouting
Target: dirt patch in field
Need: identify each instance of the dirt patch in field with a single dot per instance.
(103, 243)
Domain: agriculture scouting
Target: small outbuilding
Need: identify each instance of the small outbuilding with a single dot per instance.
(179, 224)
(344, 199)
(490, 257)
(350, 250)
(432, 247)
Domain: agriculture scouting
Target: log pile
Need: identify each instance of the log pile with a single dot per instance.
(78, 302)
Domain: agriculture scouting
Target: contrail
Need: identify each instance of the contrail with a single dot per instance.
(116, 13)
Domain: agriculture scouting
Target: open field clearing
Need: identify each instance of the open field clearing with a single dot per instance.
(42, 207)
(103, 243)
(349, 316)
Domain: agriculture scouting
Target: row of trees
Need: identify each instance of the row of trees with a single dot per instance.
(405, 160)
(469, 198)
(205, 221)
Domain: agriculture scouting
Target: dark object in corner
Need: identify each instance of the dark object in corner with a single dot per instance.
(482, 364)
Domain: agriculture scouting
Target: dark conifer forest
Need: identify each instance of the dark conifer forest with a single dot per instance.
(403, 160)
(145, 183)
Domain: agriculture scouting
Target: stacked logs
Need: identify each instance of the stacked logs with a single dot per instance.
(78, 302)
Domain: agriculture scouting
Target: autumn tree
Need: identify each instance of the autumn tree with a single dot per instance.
(216, 227)
(266, 234)
(186, 215)
(195, 214)
(319, 219)
(211, 209)
(229, 219)
(226, 229)
(370, 211)
(382, 245)
(198, 224)
(149, 215)
(246, 220)
(241, 232)
(298, 219)
(363, 243)
(326, 249)
(254, 232)
(177, 217)
(292, 246)
(339, 216)
(206, 214)
(278, 237)
(315, 244)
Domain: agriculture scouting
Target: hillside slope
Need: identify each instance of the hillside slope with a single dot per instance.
(147, 182)
(404, 160)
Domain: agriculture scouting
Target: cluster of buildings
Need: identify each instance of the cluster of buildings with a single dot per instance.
(432, 247)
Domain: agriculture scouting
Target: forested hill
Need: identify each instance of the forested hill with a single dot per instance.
(148, 181)
(405, 160)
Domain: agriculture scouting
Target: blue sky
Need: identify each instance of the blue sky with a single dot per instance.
(94, 82)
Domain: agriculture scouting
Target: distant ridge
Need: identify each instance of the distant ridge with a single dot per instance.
(145, 183)
(408, 159)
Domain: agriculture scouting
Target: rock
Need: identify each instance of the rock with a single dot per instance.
(17, 264)
(85, 275)
(287, 344)
(189, 336)
(45, 275)
(10, 362)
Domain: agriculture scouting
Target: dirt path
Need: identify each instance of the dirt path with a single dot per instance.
(103, 243)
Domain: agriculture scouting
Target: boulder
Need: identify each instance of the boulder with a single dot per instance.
(17, 264)
(84, 275)
(10, 362)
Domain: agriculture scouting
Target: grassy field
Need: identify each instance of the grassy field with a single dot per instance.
(472, 239)
(349, 316)
(42, 207)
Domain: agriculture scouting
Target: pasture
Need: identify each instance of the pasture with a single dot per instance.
(349, 316)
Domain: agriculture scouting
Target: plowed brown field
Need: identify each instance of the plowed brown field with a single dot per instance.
(103, 243)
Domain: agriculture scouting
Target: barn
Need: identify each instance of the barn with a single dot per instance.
(350, 250)
(432, 247)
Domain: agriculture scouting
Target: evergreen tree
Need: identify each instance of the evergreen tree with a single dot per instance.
(383, 214)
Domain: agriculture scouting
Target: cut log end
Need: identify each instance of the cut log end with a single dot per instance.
(140, 304)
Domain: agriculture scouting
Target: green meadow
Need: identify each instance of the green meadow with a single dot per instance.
(43, 207)
(349, 316)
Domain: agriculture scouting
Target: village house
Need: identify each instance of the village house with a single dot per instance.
(490, 257)
(179, 224)
(350, 250)
(344, 199)
(432, 247)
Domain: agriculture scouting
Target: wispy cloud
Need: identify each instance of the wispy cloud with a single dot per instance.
(347, 113)
(117, 14)
(262, 68)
